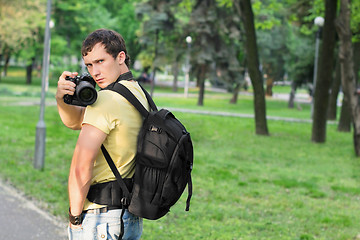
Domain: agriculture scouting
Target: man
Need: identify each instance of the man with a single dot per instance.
(111, 121)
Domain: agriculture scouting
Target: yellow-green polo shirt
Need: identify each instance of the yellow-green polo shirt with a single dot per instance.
(115, 116)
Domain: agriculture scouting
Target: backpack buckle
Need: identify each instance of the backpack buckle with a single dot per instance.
(153, 128)
(125, 202)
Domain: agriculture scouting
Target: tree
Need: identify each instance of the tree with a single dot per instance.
(21, 26)
(299, 61)
(271, 18)
(203, 23)
(253, 66)
(324, 76)
(347, 68)
(272, 42)
(74, 21)
(126, 23)
(335, 88)
(345, 116)
(158, 26)
(227, 69)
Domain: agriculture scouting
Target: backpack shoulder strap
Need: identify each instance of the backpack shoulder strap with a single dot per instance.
(125, 201)
(126, 93)
(115, 171)
(149, 98)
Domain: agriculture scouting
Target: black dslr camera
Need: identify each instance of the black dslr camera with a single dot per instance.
(85, 92)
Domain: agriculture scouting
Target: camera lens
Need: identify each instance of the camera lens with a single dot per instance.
(86, 95)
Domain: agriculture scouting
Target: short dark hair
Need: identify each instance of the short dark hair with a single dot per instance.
(112, 41)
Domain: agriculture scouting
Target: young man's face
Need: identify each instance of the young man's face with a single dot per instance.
(103, 67)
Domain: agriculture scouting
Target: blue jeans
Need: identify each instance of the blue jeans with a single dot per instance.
(107, 226)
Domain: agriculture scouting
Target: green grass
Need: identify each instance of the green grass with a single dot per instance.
(245, 186)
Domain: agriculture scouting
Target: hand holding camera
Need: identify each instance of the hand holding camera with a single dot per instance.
(85, 92)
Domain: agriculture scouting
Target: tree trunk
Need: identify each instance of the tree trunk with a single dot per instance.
(201, 80)
(6, 63)
(154, 67)
(324, 76)
(253, 67)
(345, 116)
(332, 109)
(292, 94)
(356, 56)
(269, 86)
(28, 74)
(29, 69)
(234, 98)
(1, 57)
(175, 71)
(347, 68)
(268, 68)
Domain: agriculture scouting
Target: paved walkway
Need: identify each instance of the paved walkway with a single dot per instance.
(21, 219)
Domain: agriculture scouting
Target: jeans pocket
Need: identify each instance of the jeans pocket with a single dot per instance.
(133, 226)
(101, 231)
(108, 231)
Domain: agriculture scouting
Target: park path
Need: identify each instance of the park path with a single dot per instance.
(21, 219)
(300, 98)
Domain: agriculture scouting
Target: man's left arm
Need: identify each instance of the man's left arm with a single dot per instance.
(80, 175)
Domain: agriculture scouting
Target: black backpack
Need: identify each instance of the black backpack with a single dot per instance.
(164, 161)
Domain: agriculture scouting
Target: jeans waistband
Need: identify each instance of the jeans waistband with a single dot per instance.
(97, 211)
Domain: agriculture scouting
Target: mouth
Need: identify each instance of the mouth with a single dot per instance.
(99, 80)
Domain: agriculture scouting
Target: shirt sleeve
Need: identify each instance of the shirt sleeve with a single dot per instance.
(100, 115)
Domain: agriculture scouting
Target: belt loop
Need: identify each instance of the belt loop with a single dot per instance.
(97, 211)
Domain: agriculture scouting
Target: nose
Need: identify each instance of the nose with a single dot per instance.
(95, 71)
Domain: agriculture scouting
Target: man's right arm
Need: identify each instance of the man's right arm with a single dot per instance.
(71, 116)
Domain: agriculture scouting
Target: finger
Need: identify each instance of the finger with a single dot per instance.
(69, 92)
(65, 74)
(63, 81)
(66, 85)
(68, 74)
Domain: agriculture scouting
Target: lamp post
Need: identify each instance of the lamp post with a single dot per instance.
(319, 22)
(41, 127)
(187, 67)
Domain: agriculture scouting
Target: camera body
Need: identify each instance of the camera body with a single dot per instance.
(85, 92)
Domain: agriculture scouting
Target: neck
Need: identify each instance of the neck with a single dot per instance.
(125, 76)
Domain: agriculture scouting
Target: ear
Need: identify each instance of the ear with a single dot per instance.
(121, 57)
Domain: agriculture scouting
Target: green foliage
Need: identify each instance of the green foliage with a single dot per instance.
(296, 33)
(299, 63)
(267, 14)
(128, 25)
(21, 23)
(285, 33)
(272, 45)
(317, 9)
(355, 20)
(74, 20)
(203, 23)
(187, 5)
(161, 33)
